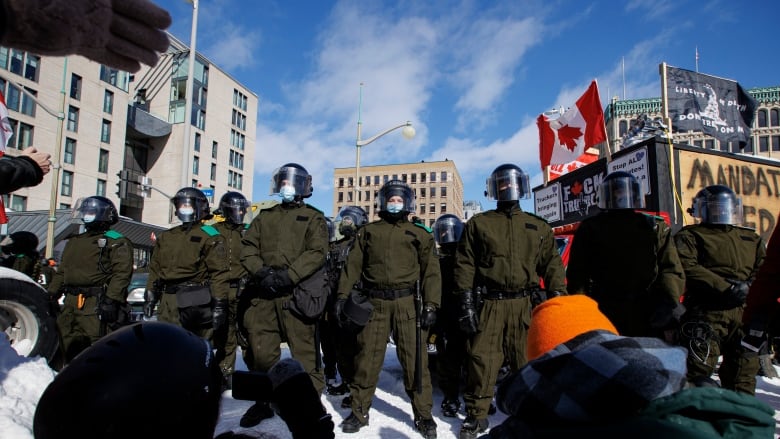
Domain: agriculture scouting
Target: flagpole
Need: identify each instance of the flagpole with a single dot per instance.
(665, 104)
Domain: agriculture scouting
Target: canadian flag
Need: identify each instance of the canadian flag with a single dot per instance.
(565, 139)
(590, 156)
(6, 132)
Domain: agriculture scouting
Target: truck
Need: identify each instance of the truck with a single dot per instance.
(671, 175)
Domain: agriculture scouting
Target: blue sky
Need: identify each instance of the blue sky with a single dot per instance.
(471, 76)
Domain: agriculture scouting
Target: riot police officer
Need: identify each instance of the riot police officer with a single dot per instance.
(284, 245)
(21, 253)
(339, 344)
(449, 339)
(391, 256)
(627, 262)
(721, 258)
(504, 252)
(189, 273)
(233, 207)
(94, 273)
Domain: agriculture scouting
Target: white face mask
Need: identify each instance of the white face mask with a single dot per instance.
(287, 192)
(186, 211)
(89, 217)
(395, 207)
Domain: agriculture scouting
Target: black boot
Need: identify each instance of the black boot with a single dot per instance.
(346, 403)
(450, 407)
(426, 427)
(353, 423)
(341, 389)
(471, 427)
(255, 414)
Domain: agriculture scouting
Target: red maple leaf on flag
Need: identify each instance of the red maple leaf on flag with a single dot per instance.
(568, 136)
(576, 188)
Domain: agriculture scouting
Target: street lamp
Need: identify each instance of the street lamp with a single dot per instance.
(408, 132)
(188, 95)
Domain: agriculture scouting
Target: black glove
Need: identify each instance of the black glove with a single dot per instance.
(263, 273)
(428, 317)
(737, 293)
(220, 314)
(108, 310)
(338, 311)
(468, 321)
(276, 281)
(150, 302)
(539, 295)
(117, 33)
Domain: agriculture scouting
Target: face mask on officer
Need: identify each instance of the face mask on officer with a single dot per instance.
(395, 204)
(186, 210)
(89, 217)
(287, 192)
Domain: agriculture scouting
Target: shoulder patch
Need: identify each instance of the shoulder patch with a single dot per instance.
(210, 230)
(423, 226)
(246, 226)
(113, 234)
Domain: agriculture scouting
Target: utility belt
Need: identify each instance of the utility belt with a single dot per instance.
(175, 287)
(502, 294)
(188, 294)
(388, 293)
(84, 291)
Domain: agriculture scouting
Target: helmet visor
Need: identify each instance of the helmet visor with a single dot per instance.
(447, 230)
(298, 178)
(509, 184)
(620, 193)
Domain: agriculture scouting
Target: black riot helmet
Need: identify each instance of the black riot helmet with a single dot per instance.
(508, 183)
(291, 175)
(351, 218)
(396, 188)
(20, 243)
(96, 212)
(163, 369)
(620, 190)
(447, 229)
(717, 204)
(191, 205)
(233, 206)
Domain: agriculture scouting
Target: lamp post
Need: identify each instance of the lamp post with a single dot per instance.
(188, 98)
(408, 133)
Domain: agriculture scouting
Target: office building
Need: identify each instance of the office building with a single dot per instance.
(437, 186)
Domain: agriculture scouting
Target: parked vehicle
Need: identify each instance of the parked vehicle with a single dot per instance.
(135, 296)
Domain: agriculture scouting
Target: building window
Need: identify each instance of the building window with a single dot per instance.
(368, 180)
(341, 182)
(762, 122)
(214, 148)
(443, 208)
(195, 165)
(443, 192)
(414, 178)
(117, 78)
(403, 178)
(367, 196)
(28, 104)
(13, 98)
(103, 160)
(101, 188)
(213, 175)
(108, 102)
(763, 144)
(433, 177)
(433, 192)
(17, 61)
(432, 208)
(341, 197)
(422, 208)
(75, 87)
(622, 128)
(349, 196)
(709, 144)
(775, 143)
(376, 180)
(422, 192)
(385, 179)
(239, 100)
(105, 131)
(748, 147)
(31, 67)
(69, 156)
(443, 178)
(25, 137)
(73, 119)
(200, 121)
(197, 142)
(66, 188)
(18, 203)
(422, 177)
(774, 115)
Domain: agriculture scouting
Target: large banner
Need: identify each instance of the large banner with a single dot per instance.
(718, 107)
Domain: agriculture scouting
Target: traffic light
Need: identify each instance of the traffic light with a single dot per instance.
(121, 185)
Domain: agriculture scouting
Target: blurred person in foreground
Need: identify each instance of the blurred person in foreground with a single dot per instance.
(178, 389)
(721, 259)
(502, 257)
(20, 251)
(24, 170)
(585, 381)
(627, 262)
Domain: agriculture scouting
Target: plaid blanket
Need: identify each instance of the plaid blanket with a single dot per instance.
(594, 378)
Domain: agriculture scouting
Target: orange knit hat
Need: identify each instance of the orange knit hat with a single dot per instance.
(562, 318)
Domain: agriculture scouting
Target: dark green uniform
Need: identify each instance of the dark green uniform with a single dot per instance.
(504, 254)
(288, 236)
(710, 255)
(188, 269)
(449, 339)
(627, 262)
(93, 263)
(226, 341)
(24, 263)
(389, 259)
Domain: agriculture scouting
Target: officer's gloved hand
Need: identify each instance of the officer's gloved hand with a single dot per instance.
(108, 310)
(338, 311)
(428, 317)
(263, 273)
(539, 295)
(54, 303)
(276, 280)
(150, 302)
(737, 293)
(468, 321)
(219, 316)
